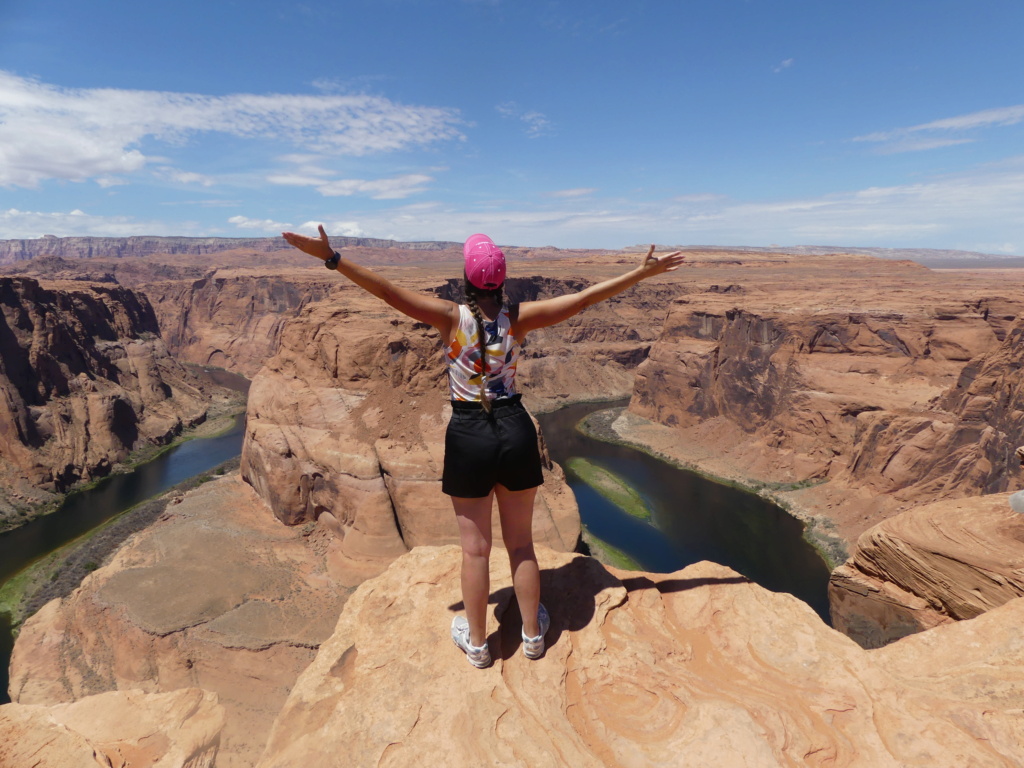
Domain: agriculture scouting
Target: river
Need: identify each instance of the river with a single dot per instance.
(692, 518)
(83, 511)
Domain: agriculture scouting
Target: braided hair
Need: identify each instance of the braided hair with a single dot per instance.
(472, 295)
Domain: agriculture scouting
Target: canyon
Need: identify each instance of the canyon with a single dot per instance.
(878, 400)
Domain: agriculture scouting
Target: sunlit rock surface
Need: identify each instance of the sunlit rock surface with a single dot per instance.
(121, 729)
(941, 562)
(867, 386)
(346, 426)
(695, 668)
(218, 596)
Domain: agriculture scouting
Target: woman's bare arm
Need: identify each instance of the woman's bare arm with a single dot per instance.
(540, 314)
(439, 313)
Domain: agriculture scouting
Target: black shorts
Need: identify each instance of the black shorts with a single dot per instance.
(483, 449)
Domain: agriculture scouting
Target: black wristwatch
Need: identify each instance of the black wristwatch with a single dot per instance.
(332, 263)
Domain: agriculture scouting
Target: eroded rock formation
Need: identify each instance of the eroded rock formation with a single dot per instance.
(119, 729)
(84, 379)
(346, 426)
(696, 668)
(947, 561)
(895, 385)
(217, 596)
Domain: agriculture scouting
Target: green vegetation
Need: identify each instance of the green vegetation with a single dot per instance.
(605, 553)
(611, 487)
(60, 572)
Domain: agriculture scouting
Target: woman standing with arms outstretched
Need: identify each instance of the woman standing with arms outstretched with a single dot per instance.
(491, 447)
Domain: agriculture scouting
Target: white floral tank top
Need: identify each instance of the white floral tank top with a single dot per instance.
(465, 369)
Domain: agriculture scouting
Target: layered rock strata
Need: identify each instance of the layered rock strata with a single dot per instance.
(84, 379)
(232, 319)
(942, 562)
(887, 385)
(217, 596)
(120, 729)
(346, 427)
(695, 668)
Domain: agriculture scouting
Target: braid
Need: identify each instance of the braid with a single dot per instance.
(472, 293)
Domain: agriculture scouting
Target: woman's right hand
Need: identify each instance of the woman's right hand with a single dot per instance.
(314, 246)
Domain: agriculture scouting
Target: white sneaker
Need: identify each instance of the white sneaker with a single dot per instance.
(533, 647)
(479, 656)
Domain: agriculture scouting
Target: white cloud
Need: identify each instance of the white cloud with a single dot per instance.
(963, 211)
(343, 228)
(18, 225)
(537, 124)
(394, 188)
(183, 177)
(580, 192)
(785, 64)
(50, 132)
(922, 137)
(263, 225)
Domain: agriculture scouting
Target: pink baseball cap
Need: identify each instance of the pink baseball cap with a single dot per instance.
(485, 263)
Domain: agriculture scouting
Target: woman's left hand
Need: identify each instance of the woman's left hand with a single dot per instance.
(655, 265)
(314, 246)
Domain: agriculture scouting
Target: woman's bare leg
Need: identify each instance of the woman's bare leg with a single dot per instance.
(474, 518)
(515, 509)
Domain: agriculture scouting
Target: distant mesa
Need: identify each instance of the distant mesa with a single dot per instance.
(140, 246)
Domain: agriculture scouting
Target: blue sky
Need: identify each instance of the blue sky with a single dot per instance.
(895, 123)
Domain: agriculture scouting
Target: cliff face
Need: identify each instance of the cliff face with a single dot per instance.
(942, 562)
(346, 426)
(640, 669)
(216, 596)
(233, 321)
(84, 378)
(882, 389)
(945, 561)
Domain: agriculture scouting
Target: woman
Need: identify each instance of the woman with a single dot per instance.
(491, 444)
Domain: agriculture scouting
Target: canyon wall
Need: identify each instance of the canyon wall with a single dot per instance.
(944, 561)
(233, 319)
(346, 427)
(874, 391)
(84, 379)
(344, 443)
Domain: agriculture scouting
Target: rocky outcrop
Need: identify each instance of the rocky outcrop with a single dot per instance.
(942, 562)
(877, 388)
(122, 729)
(84, 379)
(346, 427)
(696, 668)
(217, 596)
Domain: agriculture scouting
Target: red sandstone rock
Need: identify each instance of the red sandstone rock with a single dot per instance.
(219, 596)
(942, 562)
(122, 729)
(881, 382)
(85, 379)
(696, 668)
(348, 420)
